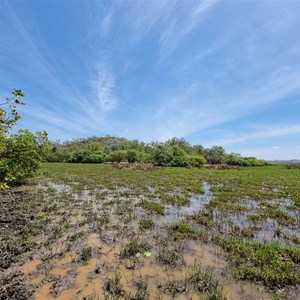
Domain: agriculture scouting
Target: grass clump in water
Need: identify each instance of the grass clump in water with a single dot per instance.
(185, 230)
(112, 289)
(202, 281)
(273, 264)
(147, 223)
(86, 254)
(152, 206)
(133, 247)
(170, 254)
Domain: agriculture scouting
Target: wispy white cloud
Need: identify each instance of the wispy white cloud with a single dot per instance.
(185, 112)
(145, 15)
(103, 86)
(68, 107)
(181, 23)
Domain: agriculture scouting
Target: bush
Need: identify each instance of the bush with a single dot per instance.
(214, 155)
(132, 156)
(162, 156)
(235, 160)
(180, 161)
(21, 155)
(117, 156)
(196, 160)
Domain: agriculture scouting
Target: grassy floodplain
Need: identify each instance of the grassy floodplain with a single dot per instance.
(101, 233)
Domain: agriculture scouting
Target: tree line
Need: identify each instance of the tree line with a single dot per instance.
(173, 152)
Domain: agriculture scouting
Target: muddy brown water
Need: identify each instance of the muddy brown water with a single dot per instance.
(89, 283)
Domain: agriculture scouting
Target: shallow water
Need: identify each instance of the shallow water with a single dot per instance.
(177, 213)
(89, 283)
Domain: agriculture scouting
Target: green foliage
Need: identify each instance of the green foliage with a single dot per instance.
(86, 254)
(214, 155)
(202, 281)
(237, 160)
(85, 156)
(252, 161)
(133, 247)
(273, 264)
(117, 156)
(234, 160)
(20, 153)
(132, 156)
(146, 223)
(152, 206)
(184, 229)
(292, 166)
(162, 156)
(180, 161)
(174, 152)
(9, 118)
(196, 160)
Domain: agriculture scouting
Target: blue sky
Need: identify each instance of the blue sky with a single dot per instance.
(213, 72)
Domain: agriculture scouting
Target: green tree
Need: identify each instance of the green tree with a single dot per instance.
(8, 118)
(132, 156)
(23, 153)
(214, 155)
(162, 155)
(20, 153)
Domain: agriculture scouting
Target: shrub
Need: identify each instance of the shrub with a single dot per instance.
(235, 160)
(117, 156)
(21, 156)
(132, 156)
(196, 160)
(180, 161)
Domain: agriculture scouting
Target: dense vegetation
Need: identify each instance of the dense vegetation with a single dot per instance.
(21, 152)
(174, 152)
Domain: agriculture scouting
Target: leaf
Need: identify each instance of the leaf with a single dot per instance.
(148, 253)
(138, 254)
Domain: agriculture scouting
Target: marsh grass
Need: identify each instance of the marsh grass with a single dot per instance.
(273, 264)
(97, 198)
(170, 253)
(184, 229)
(112, 288)
(86, 254)
(136, 245)
(203, 282)
(147, 223)
(152, 207)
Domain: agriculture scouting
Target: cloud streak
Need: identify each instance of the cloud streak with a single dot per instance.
(181, 24)
(104, 89)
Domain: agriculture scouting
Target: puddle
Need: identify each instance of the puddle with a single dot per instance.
(30, 266)
(59, 188)
(250, 203)
(197, 203)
